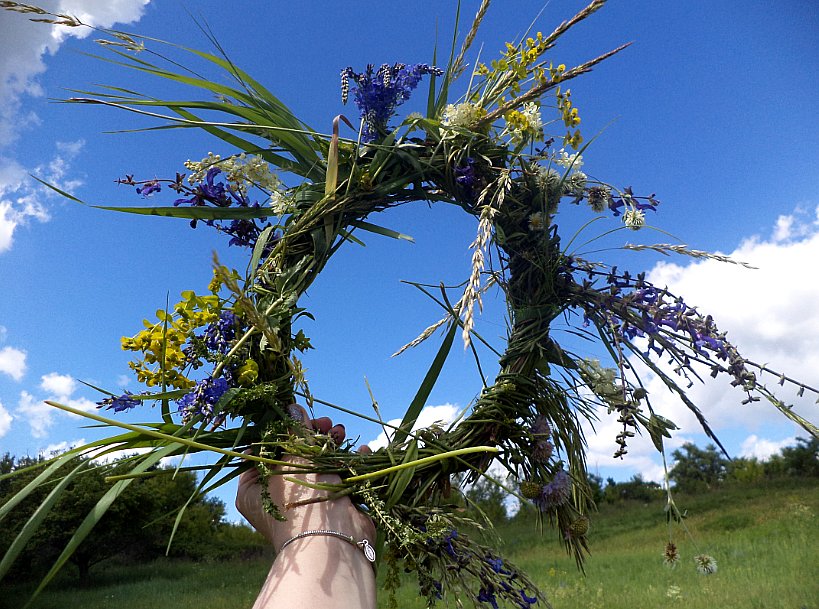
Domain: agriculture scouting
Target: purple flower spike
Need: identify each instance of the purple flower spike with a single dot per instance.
(202, 398)
(120, 403)
(378, 93)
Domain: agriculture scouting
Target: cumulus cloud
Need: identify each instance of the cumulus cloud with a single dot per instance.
(22, 200)
(24, 46)
(13, 362)
(61, 387)
(58, 385)
(57, 388)
(38, 415)
(5, 421)
(763, 449)
(430, 415)
(770, 314)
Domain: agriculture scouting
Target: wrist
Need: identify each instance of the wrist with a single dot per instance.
(363, 546)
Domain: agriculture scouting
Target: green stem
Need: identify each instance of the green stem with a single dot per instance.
(163, 436)
(423, 461)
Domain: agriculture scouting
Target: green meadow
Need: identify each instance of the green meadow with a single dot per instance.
(763, 537)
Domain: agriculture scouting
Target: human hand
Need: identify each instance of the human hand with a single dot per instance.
(297, 502)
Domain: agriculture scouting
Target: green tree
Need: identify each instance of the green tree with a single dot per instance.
(696, 469)
(745, 470)
(137, 526)
(486, 497)
(802, 459)
(635, 489)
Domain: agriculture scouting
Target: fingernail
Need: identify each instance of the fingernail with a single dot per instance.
(296, 412)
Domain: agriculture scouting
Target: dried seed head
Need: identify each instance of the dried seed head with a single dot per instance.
(530, 490)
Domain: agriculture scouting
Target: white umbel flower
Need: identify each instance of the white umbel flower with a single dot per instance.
(569, 161)
(462, 115)
(635, 219)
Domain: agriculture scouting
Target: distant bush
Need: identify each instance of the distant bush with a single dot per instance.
(635, 489)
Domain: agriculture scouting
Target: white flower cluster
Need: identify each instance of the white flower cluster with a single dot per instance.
(569, 161)
(241, 171)
(532, 113)
(635, 219)
(532, 124)
(461, 115)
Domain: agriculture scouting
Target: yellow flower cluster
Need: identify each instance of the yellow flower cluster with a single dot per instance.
(162, 341)
(570, 118)
(518, 63)
(524, 124)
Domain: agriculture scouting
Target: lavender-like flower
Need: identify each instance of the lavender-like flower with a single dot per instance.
(220, 334)
(629, 201)
(120, 403)
(243, 232)
(149, 188)
(467, 179)
(485, 595)
(556, 493)
(377, 94)
(202, 398)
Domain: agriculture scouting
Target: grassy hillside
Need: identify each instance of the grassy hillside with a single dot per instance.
(764, 539)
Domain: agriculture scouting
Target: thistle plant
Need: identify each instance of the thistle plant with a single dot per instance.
(225, 366)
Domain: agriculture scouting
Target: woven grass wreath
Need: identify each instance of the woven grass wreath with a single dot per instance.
(224, 366)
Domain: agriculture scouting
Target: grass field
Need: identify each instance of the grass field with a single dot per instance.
(764, 539)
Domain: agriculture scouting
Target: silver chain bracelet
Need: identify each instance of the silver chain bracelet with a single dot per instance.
(364, 545)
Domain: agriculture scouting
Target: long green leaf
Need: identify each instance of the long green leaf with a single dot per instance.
(35, 521)
(420, 399)
(194, 213)
(96, 514)
(401, 480)
(380, 230)
(41, 479)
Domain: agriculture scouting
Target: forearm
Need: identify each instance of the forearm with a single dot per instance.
(319, 571)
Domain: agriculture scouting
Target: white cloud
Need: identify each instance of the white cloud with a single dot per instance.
(58, 385)
(763, 449)
(5, 421)
(770, 314)
(22, 200)
(83, 404)
(13, 362)
(123, 380)
(443, 414)
(60, 388)
(24, 44)
(37, 414)
(23, 47)
(60, 447)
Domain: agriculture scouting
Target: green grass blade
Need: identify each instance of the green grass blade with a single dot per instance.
(194, 213)
(401, 480)
(96, 514)
(420, 399)
(380, 230)
(35, 521)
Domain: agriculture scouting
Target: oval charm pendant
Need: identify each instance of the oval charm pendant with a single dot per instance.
(369, 551)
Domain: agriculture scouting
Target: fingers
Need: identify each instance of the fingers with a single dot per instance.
(321, 425)
(364, 450)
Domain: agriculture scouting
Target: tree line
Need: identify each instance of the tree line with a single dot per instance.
(694, 470)
(136, 528)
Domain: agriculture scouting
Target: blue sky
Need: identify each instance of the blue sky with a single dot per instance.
(713, 108)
